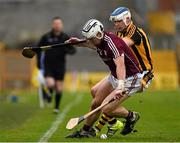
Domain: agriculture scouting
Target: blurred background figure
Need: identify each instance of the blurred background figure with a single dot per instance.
(52, 63)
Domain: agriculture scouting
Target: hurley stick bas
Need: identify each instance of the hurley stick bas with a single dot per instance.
(75, 121)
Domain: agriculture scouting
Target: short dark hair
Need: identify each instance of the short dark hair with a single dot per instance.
(56, 18)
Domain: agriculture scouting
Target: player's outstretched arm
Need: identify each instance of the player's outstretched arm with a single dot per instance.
(86, 44)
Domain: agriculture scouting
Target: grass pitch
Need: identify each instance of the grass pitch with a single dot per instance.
(24, 121)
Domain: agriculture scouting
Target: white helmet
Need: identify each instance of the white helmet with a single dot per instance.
(91, 28)
(120, 13)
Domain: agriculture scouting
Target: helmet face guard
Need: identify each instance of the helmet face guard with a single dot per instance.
(92, 28)
(121, 13)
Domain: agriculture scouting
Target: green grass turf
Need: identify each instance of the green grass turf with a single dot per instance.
(24, 121)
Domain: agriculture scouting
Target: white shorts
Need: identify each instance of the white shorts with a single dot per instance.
(132, 84)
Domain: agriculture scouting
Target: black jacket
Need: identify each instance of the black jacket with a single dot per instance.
(57, 56)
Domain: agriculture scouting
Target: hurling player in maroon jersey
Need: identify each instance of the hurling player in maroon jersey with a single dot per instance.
(124, 77)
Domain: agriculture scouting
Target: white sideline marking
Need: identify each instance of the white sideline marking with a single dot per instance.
(59, 120)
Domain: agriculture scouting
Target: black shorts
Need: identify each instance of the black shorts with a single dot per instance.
(56, 72)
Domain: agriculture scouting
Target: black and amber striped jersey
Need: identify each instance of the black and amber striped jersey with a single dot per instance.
(141, 47)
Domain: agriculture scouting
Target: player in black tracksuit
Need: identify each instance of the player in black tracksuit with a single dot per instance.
(53, 62)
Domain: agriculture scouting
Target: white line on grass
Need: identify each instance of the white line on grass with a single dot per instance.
(59, 120)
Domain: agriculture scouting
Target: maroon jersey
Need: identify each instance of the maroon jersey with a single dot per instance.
(113, 47)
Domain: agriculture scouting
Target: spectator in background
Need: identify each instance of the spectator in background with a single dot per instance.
(52, 62)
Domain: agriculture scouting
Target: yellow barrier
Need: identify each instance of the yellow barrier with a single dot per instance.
(165, 81)
(13, 76)
(82, 81)
(165, 61)
(165, 70)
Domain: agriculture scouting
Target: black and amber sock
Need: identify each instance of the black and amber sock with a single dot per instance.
(112, 121)
(103, 120)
